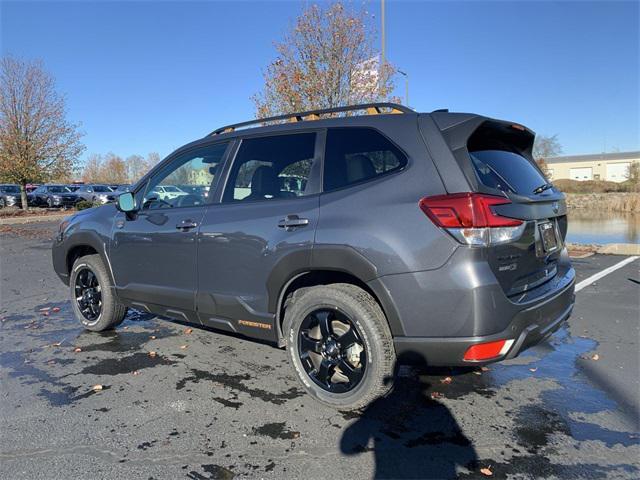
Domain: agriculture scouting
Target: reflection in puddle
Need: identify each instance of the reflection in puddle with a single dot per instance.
(586, 226)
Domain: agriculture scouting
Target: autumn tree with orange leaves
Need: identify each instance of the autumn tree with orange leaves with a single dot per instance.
(326, 60)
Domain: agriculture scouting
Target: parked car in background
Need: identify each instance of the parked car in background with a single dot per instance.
(200, 190)
(53, 196)
(10, 195)
(168, 192)
(353, 241)
(94, 193)
(116, 191)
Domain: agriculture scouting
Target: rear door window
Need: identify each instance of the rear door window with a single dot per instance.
(274, 167)
(506, 171)
(355, 155)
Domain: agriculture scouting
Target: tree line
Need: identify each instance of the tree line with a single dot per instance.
(113, 169)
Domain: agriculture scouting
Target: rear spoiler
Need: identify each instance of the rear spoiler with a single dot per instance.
(465, 132)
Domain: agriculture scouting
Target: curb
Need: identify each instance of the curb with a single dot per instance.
(33, 219)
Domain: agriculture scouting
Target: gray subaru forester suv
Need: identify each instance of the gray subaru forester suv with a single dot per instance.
(351, 236)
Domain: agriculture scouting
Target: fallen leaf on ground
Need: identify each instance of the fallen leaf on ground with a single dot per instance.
(45, 314)
(477, 373)
(56, 344)
(486, 472)
(534, 369)
(125, 328)
(152, 354)
(182, 347)
(55, 309)
(595, 357)
(188, 331)
(45, 309)
(96, 388)
(446, 380)
(136, 372)
(436, 395)
(153, 337)
(484, 369)
(77, 349)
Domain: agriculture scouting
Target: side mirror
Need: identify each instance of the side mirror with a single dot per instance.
(126, 202)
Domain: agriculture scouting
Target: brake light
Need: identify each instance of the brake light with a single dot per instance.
(470, 218)
(487, 351)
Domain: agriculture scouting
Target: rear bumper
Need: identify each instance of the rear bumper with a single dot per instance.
(440, 313)
(528, 327)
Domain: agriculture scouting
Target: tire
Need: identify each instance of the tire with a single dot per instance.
(111, 312)
(2, 203)
(49, 202)
(342, 301)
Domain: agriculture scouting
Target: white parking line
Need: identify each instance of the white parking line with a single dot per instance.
(594, 278)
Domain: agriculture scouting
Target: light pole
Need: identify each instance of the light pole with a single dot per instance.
(406, 86)
(382, 32)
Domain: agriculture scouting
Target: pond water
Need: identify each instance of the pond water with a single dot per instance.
(585, 226)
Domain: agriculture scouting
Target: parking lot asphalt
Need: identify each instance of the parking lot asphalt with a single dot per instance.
(206, 405)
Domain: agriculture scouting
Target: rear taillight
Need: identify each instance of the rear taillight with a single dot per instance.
(470, 219)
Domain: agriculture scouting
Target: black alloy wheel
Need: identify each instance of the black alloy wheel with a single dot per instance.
(88, 294)
(331, 350)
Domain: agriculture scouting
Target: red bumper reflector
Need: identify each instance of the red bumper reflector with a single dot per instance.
(486, 351)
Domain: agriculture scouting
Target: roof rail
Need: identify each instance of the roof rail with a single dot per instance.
(370, 108)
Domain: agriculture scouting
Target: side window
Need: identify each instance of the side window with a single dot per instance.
(186, 181)
(267, 168)
(354, 155)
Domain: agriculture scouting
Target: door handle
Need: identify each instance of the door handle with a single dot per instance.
(186, 225)
(293, 221)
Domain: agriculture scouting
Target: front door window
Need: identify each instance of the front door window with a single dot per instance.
(186, 182)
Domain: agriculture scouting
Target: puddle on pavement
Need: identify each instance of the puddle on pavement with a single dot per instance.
(120, 341)
(236, 383)
(276, 431)
(123, 365)
(210, 472)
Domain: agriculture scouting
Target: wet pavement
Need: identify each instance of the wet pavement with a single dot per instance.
(177, 402)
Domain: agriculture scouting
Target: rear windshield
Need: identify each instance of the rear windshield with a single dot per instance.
(506, 171)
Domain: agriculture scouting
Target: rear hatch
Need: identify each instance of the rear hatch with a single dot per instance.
(497, 159)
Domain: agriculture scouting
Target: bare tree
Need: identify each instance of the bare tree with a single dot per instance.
(92, 170)
(37, 142)
(153, 159)
(137, 166)
(633, 175)
(544, 148)
(326, 60)
(114, 170)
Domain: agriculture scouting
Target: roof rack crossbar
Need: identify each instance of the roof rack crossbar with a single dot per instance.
(370, 108)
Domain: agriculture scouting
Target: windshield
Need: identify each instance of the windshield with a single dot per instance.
(507, 171)
(9, 189)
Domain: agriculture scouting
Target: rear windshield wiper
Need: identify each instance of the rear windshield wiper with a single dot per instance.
(542, 188)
